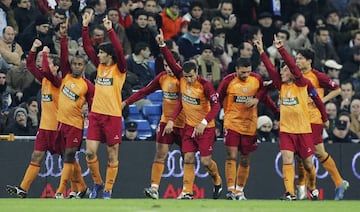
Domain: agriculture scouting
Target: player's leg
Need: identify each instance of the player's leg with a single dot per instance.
(111, 170)
(242, 176)
(311, 172)
(93, 165)
(329, 164)
(232, 140)
(288, 174)
(301, 188)
(189, 176)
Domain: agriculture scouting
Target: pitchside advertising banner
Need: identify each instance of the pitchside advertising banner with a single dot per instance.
(265, 179)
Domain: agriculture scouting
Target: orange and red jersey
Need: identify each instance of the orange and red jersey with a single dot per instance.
(74, 92)
(320, 81)
(234, 93)
(294, 115)
(49, 92)
(170, 87)
(110, 78)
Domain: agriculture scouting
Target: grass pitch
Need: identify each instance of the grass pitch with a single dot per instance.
(148, 205)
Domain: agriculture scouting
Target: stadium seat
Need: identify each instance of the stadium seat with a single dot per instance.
(144, 129)
(152, 113)
(156, 97)
(134, 113)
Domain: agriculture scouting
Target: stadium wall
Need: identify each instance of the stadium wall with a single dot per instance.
(264, 182)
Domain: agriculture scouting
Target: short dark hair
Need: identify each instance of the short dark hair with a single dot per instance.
(55, 59)
(243, 62)
(194, 25)
(140, 12)
(319, 29)
(140, 46)
(307, 53)
(189, 66)
(285, 32)
(108, 48)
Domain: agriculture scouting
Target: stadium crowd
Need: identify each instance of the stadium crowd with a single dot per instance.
(212, 33)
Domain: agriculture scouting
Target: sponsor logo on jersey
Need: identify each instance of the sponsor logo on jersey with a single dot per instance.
(190, 100)
(46, 98)
(242, 99)
(170, 95)
(69, 93)
(104, 81)
(290, 101)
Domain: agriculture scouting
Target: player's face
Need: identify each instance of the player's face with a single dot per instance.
(53, 68)
(190, 77)
(243, 72)
(302, 62)
(104, 57)
(167, 68)
(285, 74)
(77, 66)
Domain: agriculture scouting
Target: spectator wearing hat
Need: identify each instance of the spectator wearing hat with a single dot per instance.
(209, 66)
(332, 69)
(37, 30)
(171, 19)
(264, 127)
(20, 125)
(265, 22)
(130, 131)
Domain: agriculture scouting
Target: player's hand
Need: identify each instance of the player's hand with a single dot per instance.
(37, 43)
(46, 49)
(160, 38)
(168, 128)
(87, 18)
(251, 102)
(259, 45)
(277, 42)
(198, 130)
(107, 23)
(123, 104)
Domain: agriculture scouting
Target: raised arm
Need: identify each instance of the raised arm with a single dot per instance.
(30, 61)
(119, 50)
(176, 68)
(64, 50)
(151, 87)
(89, 49)
(274, 75)
(54, 79)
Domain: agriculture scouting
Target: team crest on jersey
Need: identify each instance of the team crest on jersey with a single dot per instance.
(288, 94)
(245, 89)
(72, 85)
(189, 91)
(170, 85)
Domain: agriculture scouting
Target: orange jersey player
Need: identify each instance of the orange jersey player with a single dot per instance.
(321, 81)
(169, 84)
(295, 125)
(46, 135)
(240, 93)
(75, 92)
(105, 118)
(199, 102)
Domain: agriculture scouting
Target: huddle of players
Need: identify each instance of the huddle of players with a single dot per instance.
(190, 105)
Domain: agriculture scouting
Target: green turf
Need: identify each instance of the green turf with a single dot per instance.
(147, 205)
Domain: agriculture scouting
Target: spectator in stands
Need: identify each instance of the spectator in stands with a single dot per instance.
(245, 51)
(347, 93)
(342, 132)
(9, 49)
(72, 44)
(355, 116)
(99, 10)
(5, 94)
(196, 10)
(265, 22)
(205, 35)
(75, 30)
(345, 53)
(217, 23)
(332, 69)
(331, 110)
(40, 30)
(298, 32)
(323, 48)
(70, 15)
(171, 19)
(264, 126)
(139, 32)
(20, 126)
(190, 44)
(130, 131)
(137, 64)
(32, 109)
(209, 66)
(274, 55)
(351, 66)
(151, 6)
(113, 15)
(7, 17)
(125, 18)
(24, 14)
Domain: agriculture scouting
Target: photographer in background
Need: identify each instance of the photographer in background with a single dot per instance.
(342, 133)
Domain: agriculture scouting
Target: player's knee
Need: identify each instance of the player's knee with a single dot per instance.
(37, 156)
(160, 156)
(90, 155)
